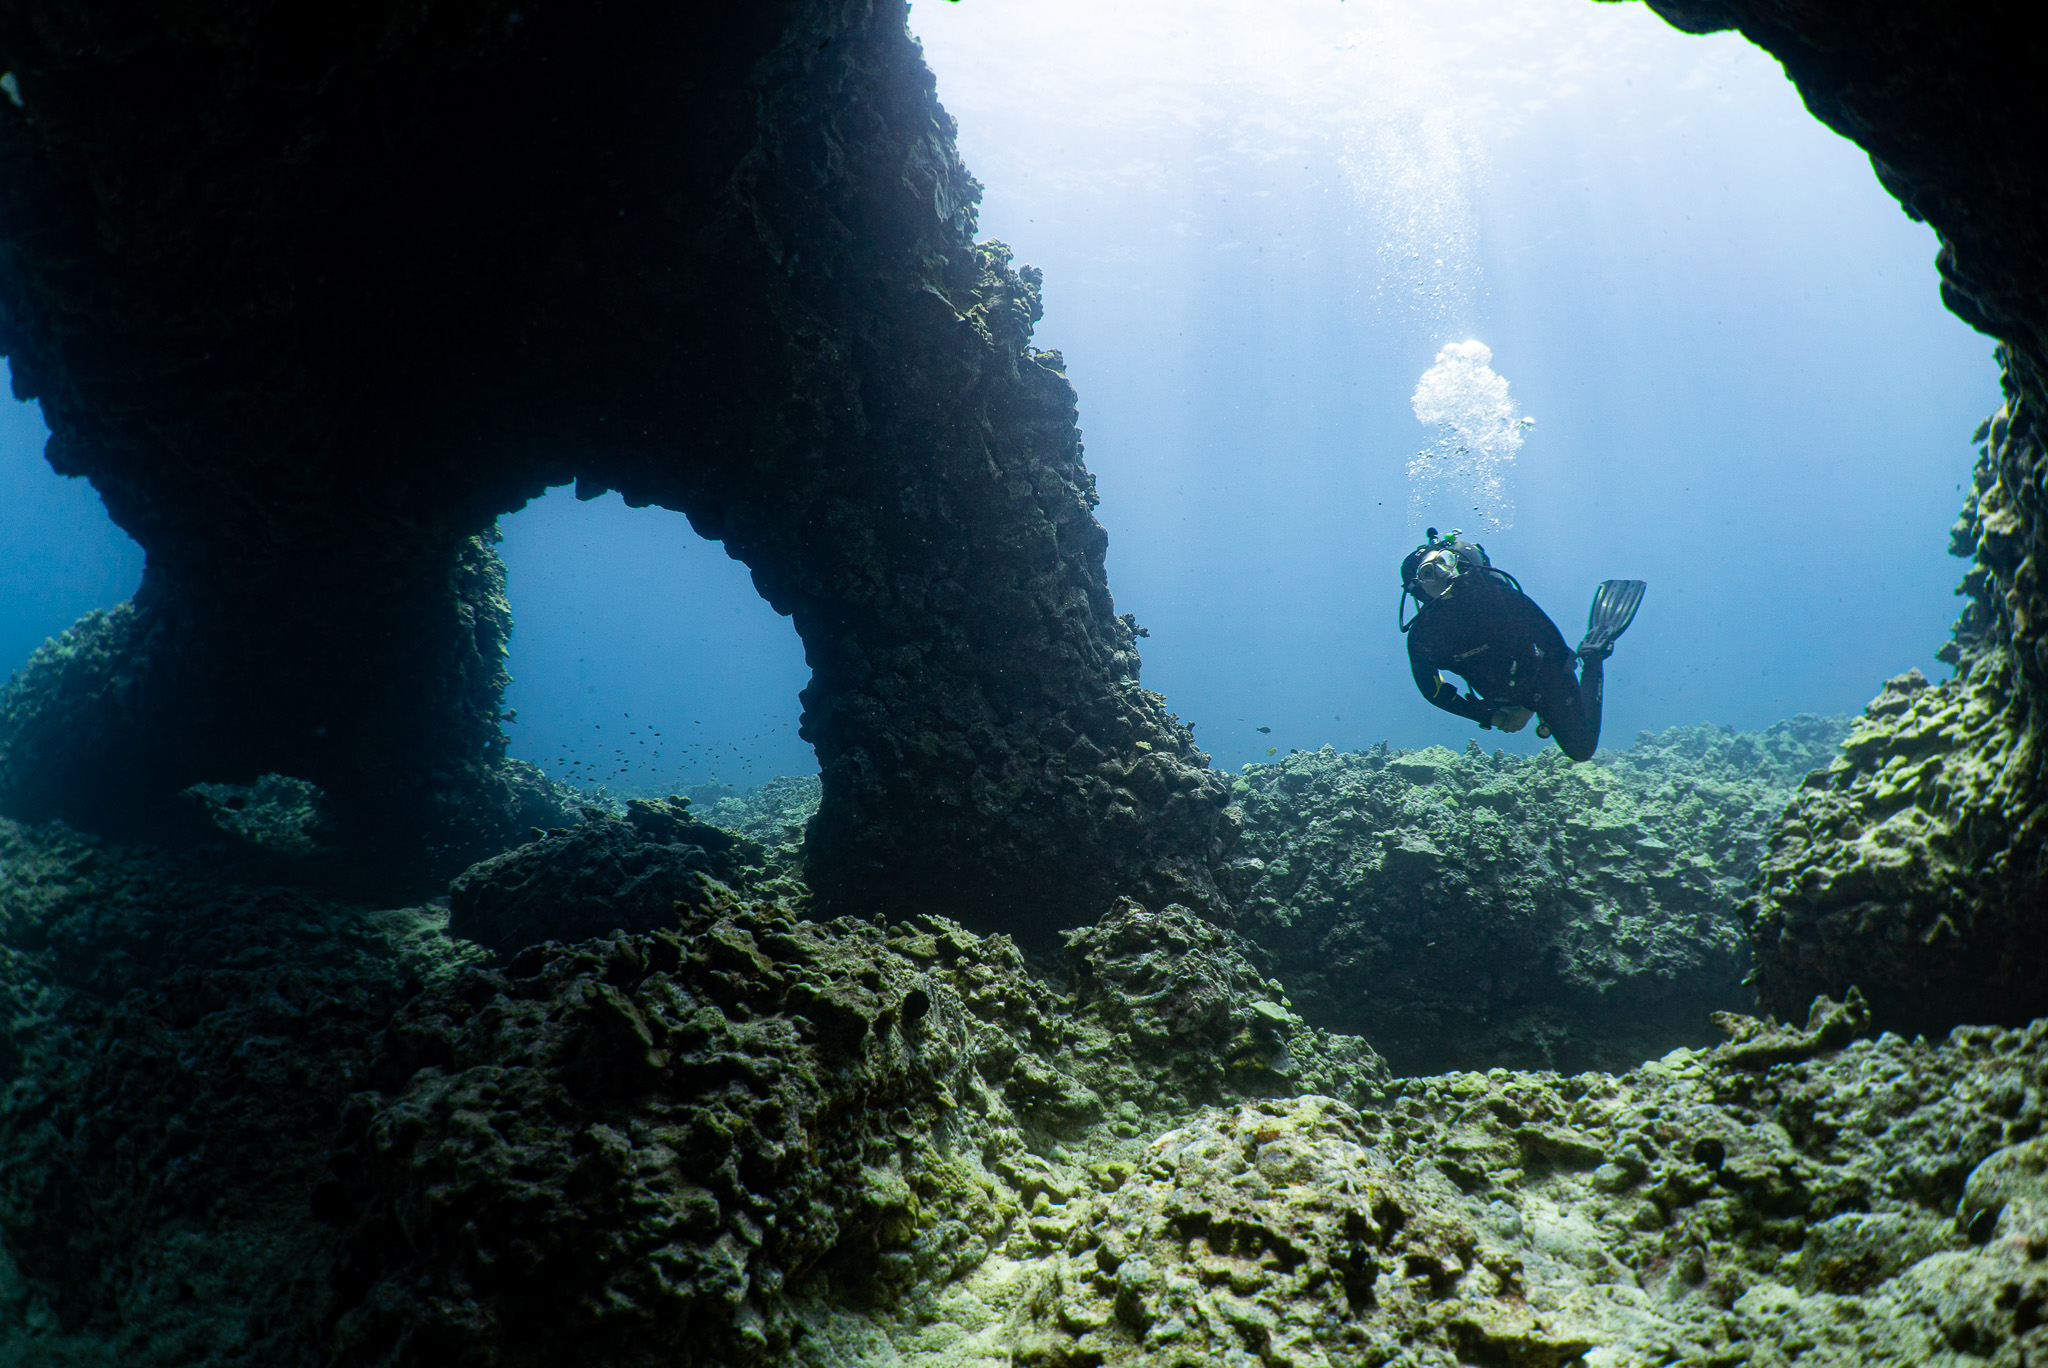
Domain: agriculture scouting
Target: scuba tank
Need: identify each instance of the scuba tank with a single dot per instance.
(1472, 559)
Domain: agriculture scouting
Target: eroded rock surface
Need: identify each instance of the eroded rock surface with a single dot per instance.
(1706, 1208)
(774, 812)
(1914, 865)
(244, 1124)
(363, 290)
(1463, 909)
(636, 872)
(175, 1053)
(1184, 1002)
(721, 1126)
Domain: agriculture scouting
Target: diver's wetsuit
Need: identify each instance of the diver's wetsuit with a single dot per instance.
(1511, 654)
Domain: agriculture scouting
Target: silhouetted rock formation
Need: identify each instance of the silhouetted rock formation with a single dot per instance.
(312, 299)
(1919, 867)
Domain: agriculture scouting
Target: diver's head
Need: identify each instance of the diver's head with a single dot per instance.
(1437, 572)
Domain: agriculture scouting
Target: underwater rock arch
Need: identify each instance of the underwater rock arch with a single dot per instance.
(1916, 866)
(313, 301)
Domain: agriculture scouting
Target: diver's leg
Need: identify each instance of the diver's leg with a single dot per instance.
(1576, 724)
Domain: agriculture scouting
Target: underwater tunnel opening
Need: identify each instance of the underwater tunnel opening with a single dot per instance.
(643, 661)
(61, 556)
(1258, 228)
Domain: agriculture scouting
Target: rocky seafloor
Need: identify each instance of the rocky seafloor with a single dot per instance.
(1471, 910)
(1475, 909)
(620, 1098)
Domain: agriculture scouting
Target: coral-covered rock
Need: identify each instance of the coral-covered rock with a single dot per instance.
(1470, 910)
(603, 875)
(241, 1124)
(1913, 867)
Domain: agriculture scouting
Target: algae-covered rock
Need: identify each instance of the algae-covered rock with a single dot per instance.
(1180, 995)
(605, 874)
(1913, 867)
(1288, 1227)
(277, 815)
(773, 813)
(252, 1125)
(717, 1126)
(1917, 870)
(1703, 1208)
(175, 1052)
(2006, 1197)
(1484, 909)
(583, 1156)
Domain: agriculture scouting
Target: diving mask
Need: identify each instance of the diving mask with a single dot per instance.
(1436, 574)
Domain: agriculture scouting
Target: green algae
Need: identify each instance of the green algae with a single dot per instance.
(179, 1048)
(247, 1124)
(1458, 909)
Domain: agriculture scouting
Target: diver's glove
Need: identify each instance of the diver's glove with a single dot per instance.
(1512, 719)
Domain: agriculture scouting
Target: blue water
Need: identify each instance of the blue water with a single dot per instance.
(60, 555)
(627, 623)
(1259, 225)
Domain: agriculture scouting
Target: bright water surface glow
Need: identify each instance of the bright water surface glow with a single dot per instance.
(1259, 225)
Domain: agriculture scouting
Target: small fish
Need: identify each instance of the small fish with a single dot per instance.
(1265, 731)
(1272, 750)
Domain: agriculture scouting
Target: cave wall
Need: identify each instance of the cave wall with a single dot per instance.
(1917, 865)
(313, 297)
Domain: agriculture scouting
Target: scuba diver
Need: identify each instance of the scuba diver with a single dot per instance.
(1474, 620)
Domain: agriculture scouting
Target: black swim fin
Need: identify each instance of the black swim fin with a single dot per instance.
(1614, 608)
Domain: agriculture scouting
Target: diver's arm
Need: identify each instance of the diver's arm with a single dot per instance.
(1445, 695)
